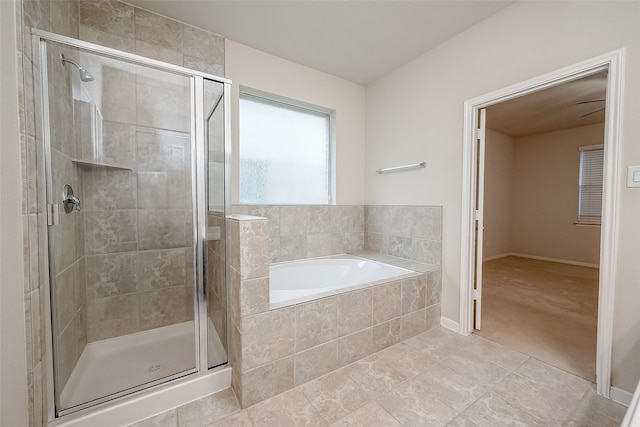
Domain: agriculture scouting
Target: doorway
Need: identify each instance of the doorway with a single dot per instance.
(472, 209)
(541, 217)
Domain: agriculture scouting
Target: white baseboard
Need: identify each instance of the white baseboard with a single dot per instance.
(449, 324)
(621, 396)
(562, 261)
(491, 258)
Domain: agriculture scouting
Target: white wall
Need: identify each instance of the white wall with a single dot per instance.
(13, 379)
(545, 198)
(258, 70)
(531, 195)
(415, 113)
(498, 194)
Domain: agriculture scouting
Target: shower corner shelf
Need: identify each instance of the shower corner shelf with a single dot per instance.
(92, 163)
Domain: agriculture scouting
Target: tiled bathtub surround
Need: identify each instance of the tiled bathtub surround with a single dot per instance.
(413, 232)
(109, 23)
(308, 231)
(272, 351)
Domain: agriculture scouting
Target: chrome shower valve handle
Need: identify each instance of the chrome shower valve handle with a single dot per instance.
(69, 200)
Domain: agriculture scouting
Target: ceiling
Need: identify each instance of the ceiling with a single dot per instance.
(362, 40)
(358, 40)
(551, 109)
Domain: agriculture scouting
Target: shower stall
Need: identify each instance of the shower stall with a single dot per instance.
(136, 156)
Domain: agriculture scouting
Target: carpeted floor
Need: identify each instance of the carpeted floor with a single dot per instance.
(544, 309)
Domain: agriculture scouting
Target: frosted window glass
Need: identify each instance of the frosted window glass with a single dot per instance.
(284, 153)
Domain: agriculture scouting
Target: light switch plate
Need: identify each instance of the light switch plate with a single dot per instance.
(633, 176)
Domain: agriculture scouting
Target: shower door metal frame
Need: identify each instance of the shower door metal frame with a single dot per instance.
(199, 205)
(223, 99)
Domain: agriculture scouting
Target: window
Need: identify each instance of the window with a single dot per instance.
(285, 151)
(590, 184)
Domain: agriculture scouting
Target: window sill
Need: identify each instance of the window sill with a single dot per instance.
(586, 224)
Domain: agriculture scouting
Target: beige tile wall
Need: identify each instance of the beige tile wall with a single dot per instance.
(138, 230)
(121, 26)
(307, 231)
(412, 232)
(108, 23)
(248, 291)
(143, 213)
(61, 17)
(272, 351)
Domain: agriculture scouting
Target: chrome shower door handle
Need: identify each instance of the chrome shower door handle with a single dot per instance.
(69, 201)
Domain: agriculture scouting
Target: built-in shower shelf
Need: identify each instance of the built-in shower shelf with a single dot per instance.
(91, 163)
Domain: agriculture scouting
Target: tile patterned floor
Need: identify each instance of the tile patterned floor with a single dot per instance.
(438, 378)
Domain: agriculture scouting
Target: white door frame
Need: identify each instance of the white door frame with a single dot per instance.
(614, 62)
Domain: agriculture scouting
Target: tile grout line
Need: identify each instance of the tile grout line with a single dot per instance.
(492, 389)
(411, 380)
(376, 400)
(575, 407)
(489, 389)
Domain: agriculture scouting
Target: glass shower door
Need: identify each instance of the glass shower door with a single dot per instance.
(120, 158)
(216, 202)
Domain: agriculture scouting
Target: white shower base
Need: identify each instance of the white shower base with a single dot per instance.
(112, 365)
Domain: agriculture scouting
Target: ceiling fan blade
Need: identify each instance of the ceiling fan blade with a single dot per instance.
(589, 102)
(593, 112)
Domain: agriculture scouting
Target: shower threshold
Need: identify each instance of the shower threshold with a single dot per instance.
(117, 364)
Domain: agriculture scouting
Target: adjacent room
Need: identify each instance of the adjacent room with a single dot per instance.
(541, 243)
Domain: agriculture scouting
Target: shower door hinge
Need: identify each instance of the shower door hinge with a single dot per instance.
(53, 214)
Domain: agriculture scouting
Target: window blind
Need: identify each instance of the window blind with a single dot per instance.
(590, 187)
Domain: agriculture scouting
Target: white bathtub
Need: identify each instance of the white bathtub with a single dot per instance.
(304, 280)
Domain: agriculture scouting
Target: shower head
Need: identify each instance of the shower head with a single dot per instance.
(84, 74)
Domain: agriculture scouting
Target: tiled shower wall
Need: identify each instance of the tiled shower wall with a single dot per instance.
(109, 23)
(138, 221)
